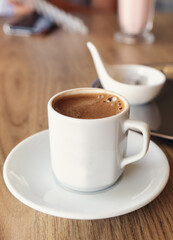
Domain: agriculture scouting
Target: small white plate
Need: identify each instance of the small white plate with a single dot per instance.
(28, 176)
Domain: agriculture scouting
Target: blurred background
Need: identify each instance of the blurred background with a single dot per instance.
(17, 7)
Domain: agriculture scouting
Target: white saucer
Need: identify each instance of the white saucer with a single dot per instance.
(28, 176)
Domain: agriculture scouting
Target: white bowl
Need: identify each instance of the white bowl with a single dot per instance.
(138, 83)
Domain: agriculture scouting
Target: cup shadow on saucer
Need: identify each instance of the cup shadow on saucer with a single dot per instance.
(88, 192)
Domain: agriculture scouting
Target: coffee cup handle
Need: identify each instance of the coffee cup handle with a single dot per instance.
(139, 127)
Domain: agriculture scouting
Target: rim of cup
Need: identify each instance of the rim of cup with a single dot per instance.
(88, 90)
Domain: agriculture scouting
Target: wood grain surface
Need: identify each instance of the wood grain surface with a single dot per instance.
(31, 71)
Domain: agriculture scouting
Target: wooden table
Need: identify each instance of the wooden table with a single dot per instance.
(31, 71)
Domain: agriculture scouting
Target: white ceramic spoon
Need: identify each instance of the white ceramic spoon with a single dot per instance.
(138, 83)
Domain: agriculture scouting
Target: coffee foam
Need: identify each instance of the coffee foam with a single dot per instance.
(88, 105)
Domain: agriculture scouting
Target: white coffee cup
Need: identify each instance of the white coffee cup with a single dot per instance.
(89, 154)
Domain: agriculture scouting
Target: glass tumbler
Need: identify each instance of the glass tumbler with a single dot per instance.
(135, 19)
